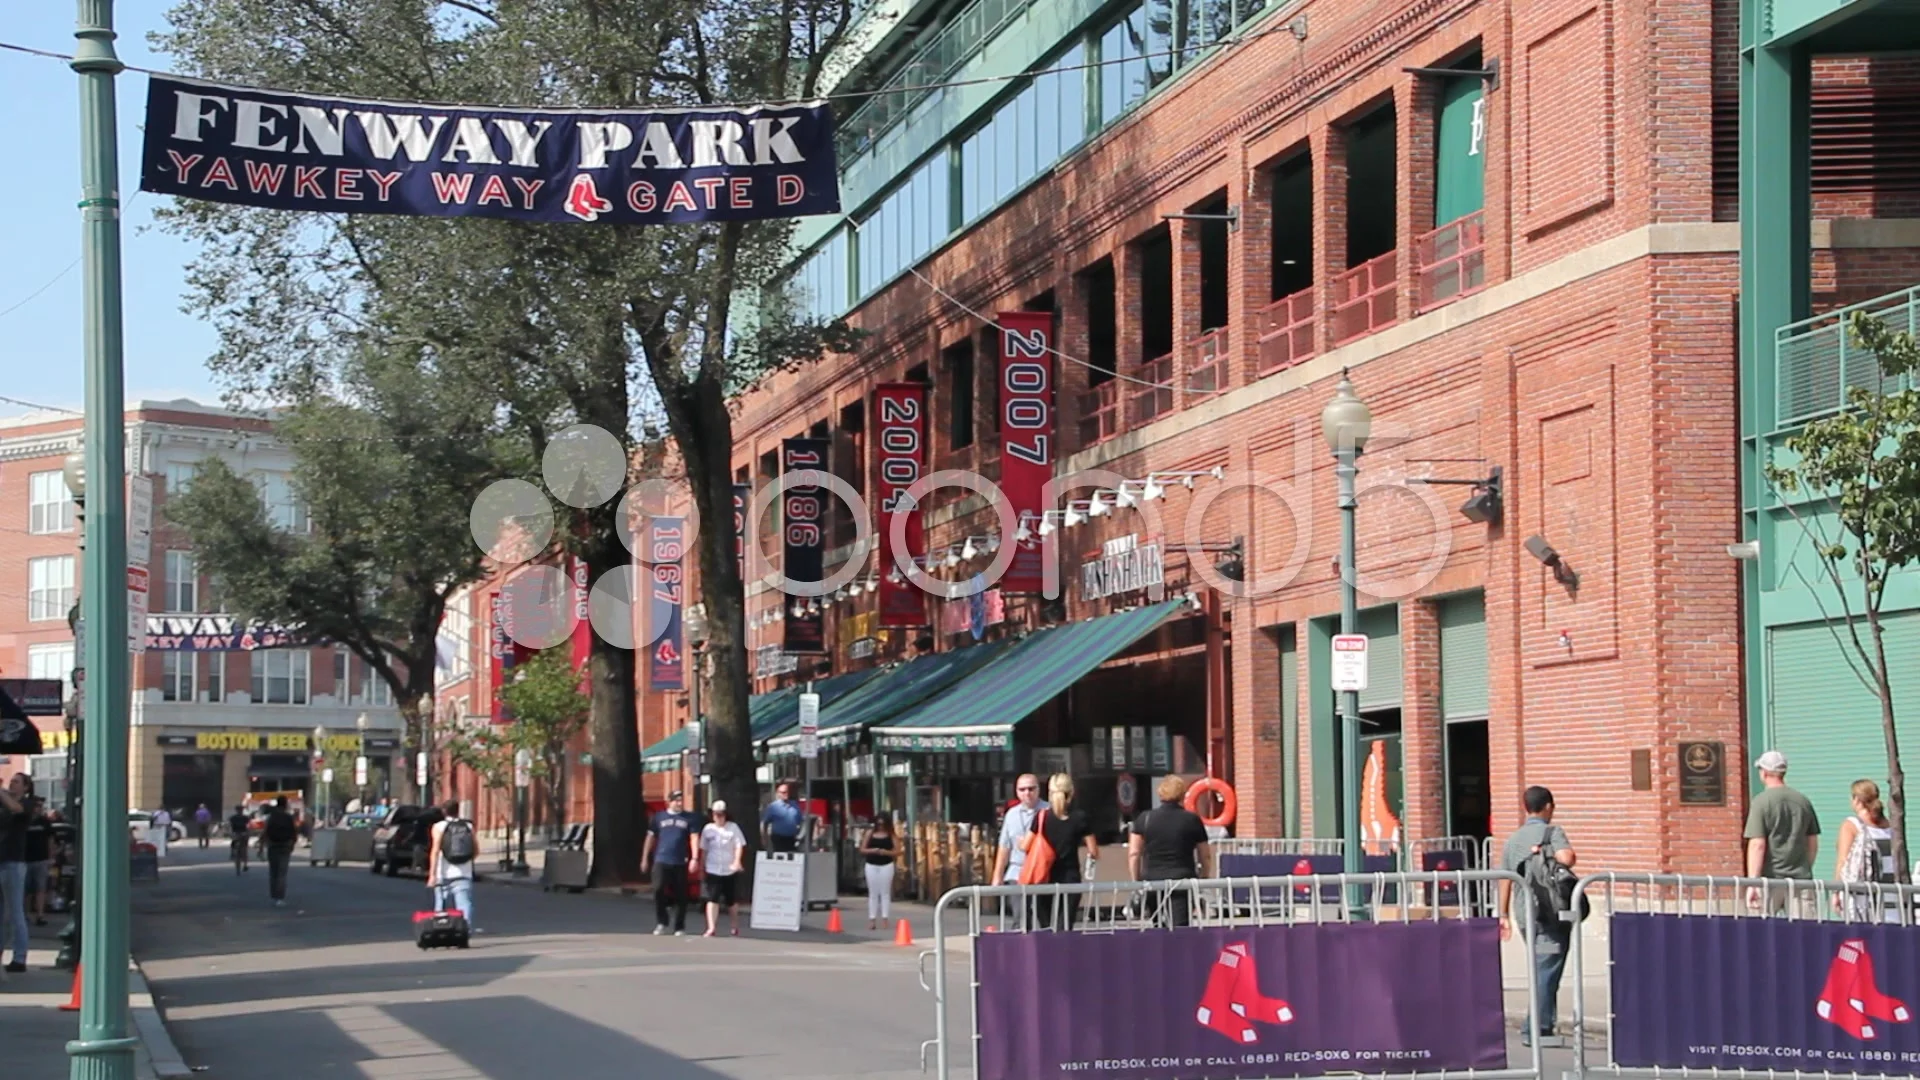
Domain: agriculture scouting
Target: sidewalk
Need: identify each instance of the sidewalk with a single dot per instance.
(38, 1030)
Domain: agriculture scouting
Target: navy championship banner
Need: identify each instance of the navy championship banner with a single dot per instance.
(666, 664)
(803, 520)
(347, 155)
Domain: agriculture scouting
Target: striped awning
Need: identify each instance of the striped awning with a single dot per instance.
(980, 711)
(767, 714)
(901, 688)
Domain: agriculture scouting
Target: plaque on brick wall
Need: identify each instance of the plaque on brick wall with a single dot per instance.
(1703, 774)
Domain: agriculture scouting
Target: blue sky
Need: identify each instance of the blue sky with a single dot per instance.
(40, 358)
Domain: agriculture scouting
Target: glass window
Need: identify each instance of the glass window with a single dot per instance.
(49, 503)
(1157, 39)
(182, 582)
(216, 677)
(374, 689)
(49, 587)
(456, 644)
(176, 676)
(820, 284)
(180, 476)
(280, 676)
(907, 224)
(1123, 70)
(53, 661)
(285, 510)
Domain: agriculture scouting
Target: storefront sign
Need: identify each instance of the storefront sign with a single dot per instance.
(1703, 774)
(803, 517)
(1118, 759)
(1099, 748)
(256, 147)
(35, 697)
(861, 648)
(666, 667)
(1421, 996)
(1125, 566)
(771, 660)
(212, 633)
(1026, 433)
(274, 742)
(1137, 748)
(937, 744)
(1765, 995)
(899, 459)
(1160, 750)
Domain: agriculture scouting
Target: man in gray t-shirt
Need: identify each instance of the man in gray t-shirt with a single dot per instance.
(1551, 937)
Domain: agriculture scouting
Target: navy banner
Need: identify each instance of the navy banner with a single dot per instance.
(347, 155)
(666, 543)
(1699, 992)
(212, 633)
(803, 525)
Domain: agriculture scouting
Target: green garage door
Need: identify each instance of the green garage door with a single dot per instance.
(1384, 680)
(1828, 723)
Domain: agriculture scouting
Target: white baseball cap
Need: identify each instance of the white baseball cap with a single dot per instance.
(1772, 761)
(719, 806)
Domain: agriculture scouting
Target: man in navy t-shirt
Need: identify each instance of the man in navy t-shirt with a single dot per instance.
(668, 850)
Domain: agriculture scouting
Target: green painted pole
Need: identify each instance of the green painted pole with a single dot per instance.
(1347, 470)
(104, 1050)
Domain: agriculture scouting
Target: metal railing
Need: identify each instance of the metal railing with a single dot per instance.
(1150, 402)
(1207, 369)
(1816, 361)
(1107, 911)
(1286, 329)
(1364, 297)
(1451, 261)
(1100, 413)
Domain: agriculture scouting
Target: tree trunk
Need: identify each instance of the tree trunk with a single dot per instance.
(1896, 776)
(416, 720)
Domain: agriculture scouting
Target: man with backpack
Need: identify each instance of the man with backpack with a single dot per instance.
(1541, 854)
(450, 863)
(280, 835)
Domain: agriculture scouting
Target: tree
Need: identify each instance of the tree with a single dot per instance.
(1860, 470)
(549, 709)
(374, 535)
(562, 325)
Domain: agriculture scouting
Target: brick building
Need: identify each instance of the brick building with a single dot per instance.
(213, 718)
(1511, 224)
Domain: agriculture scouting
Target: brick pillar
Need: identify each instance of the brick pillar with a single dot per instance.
(1070, 380)
(1258, 750)
(1423, 733)
(1497, 158)
(1329, 147)
(1249, 269)
(1126, 321)
(1413, 110)
(1506, 571)
(1186, 297)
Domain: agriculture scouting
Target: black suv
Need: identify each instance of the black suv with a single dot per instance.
(404, 838)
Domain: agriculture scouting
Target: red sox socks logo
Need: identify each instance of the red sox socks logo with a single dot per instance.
(1233, 1001)
(1851, 999)
(584, 200)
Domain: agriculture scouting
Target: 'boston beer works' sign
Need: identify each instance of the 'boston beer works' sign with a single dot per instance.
(350, 155)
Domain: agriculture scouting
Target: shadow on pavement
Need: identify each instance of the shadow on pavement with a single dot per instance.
(491, 1036)
(438, 971)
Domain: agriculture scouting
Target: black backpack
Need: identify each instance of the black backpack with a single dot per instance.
(1553, 886)
(456, 842)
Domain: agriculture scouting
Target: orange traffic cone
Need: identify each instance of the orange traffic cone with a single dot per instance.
(73, 1000)
(833, 920)
(902, 933)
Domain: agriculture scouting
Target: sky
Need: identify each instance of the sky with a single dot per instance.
(40, 357)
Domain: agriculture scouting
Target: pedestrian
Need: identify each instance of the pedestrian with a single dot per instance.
(723, 848)
(879, 849)
(1783, 838)
(1538, 838)
(1071, 839)
(780, 822)
(39, 857)
(162, 828)
(1016, 829)
(450, 863)
(1865, 847)
(668, 850)
(279, 837)
(1170, 843)
(237, 838)
(16, 801)
(203, 824)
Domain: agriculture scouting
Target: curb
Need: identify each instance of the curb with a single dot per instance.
(148, 1024)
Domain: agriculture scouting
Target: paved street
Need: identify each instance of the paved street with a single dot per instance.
(332, 986)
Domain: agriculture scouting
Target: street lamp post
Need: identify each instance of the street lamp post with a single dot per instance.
(319, 775)
(1346, 422)
(522, 778)
(104, 1049)
(360, 761)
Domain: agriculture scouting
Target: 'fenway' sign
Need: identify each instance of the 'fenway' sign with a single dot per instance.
(899, 459)
(1026, 433)
(253, 147)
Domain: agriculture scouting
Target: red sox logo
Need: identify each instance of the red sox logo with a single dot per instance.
(584, 200)
(1852, 999)
(1232, 1001)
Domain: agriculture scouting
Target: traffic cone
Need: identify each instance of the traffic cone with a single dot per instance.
(73, 1000)
(833, 920)
(902, 933)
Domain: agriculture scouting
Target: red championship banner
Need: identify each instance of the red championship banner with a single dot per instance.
(1026, 432)
(899, 459)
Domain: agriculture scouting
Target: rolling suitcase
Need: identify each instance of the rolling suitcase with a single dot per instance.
(441, 929)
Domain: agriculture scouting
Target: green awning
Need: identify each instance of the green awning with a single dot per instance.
(899, 689)
(664, 756)
(786, 714)
(980, 711)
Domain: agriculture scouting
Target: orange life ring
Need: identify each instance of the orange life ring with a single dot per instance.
(1229, 802)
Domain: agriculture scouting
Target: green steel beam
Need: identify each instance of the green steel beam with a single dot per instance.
(1792, 22)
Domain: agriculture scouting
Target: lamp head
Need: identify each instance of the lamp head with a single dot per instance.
(74, 470)
(1153, 490)
(1346, 422)
(1046, 526)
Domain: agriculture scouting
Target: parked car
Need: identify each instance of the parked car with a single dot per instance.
(143, 820)
(402, 840)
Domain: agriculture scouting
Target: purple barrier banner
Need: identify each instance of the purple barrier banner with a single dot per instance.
(1194, 1004)
(1750, 993)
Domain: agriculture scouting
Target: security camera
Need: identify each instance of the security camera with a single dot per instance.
(1745, 552)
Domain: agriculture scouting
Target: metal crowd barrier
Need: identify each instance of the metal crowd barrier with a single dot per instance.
(1460, 853)
(1114, 909)
(1843, 910)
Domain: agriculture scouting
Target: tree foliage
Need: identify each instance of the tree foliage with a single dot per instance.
(558, 324)
(548, 709)
(1860, 469)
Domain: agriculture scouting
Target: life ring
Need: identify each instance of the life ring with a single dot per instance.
(1229, 802)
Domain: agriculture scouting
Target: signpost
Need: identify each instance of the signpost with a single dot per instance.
(139, 555)
(809, 726)
(1349, 662)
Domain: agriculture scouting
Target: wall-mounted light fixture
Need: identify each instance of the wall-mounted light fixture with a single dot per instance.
(1538, 547)
(1486, 505)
